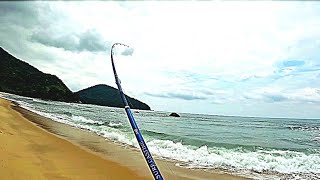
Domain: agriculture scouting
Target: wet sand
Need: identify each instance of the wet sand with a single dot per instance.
(35, 147)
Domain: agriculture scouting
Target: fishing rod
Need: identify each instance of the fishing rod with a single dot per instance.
(143, 146)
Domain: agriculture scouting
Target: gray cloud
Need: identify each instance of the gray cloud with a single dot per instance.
(177, 96)
(24, 14)
(89, 40)
(33, 21)
(275, 97)
(127, 52)
(266, 96)
(202, 94)
(190, 77)
(29, 30)
(305, 95)
(17, 21)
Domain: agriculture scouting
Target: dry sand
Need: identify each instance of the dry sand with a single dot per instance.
(44, 149)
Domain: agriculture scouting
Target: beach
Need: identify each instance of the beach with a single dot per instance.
(35, 147)
(29, 152)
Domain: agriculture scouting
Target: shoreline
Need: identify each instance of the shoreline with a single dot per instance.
(125, 157)
(29, 152)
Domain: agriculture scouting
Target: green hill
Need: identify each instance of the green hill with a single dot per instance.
(18, 77)
(105, 95)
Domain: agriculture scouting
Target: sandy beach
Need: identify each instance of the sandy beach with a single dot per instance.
(28, 152)
(34, 147)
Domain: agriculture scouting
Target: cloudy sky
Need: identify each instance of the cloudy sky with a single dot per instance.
(226, 58)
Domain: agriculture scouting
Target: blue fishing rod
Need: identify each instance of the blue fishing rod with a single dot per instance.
(143, 146)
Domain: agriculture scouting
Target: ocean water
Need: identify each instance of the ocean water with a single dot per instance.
(268, 147)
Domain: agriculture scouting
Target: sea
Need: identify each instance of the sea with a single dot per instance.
(262, 148)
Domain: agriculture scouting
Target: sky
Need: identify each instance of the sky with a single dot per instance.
(207, 57)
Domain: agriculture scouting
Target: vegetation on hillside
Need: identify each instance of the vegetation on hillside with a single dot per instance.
(105, 95)
(21, 78)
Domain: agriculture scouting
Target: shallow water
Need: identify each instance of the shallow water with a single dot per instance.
(287, 148)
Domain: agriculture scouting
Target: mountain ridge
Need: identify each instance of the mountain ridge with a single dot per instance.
(21, 78)
(105, 95)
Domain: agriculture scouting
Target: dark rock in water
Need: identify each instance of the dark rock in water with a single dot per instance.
(174, 114)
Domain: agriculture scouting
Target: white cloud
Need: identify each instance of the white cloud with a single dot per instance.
(274, 94)
(233, 47)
